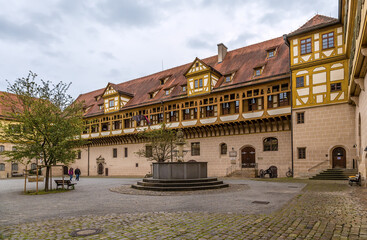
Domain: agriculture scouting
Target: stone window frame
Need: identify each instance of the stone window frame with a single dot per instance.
(2, 148)
(223, 149)
(301, 153)
(79, 154)
(300, 117)
(270, 144)
(114, 152)
(2, 166)
(126, 152)
(195, 149)
(150, 151)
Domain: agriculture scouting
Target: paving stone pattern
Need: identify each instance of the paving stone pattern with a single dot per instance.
(323, 210)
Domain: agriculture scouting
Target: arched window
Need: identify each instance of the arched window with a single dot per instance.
(2, 166)
(14, 167)
(270, 144)
(223, 149)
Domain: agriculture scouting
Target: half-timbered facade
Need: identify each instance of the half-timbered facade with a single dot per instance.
(237, 100)
(294, 102)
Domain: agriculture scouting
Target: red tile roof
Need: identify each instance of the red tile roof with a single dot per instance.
(242, 61)
(5, 108)
(318, 21)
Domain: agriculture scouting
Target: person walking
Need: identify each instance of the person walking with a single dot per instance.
(71, 173)
(77, 173)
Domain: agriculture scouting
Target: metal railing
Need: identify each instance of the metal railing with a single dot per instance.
(317, 165)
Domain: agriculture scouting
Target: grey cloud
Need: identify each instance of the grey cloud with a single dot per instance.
(23, 32)
(126, 13)
(241, 40)
(198, 44)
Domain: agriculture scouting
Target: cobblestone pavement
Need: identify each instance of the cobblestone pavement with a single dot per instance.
(323, 210)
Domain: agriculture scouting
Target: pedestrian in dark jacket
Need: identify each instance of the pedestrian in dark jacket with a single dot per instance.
(77, 173)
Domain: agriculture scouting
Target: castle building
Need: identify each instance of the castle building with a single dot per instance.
(295, 102)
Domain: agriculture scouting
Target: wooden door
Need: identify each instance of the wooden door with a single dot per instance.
(100, 168)
(66, 170)
(339, 158)
(248, 157)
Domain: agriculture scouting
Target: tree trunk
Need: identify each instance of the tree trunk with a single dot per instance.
(47, 178)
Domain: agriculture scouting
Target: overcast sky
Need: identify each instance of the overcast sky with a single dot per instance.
(91, 43)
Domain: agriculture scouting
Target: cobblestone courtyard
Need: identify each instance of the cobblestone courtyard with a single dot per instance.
(322, 210)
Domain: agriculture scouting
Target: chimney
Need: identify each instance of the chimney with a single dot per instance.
(222, 51)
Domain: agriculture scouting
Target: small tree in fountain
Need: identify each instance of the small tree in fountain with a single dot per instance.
(45, 123)
(160, 145)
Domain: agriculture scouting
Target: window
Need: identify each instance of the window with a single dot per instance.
(79, 154)
(228, 78)
(2, 148)
(112, 103)
(14, 167)
(208, 111)
(270, 144)
(162, 81)
(116, 125)
(100, 107)
(190, 113)
(151, 95)
(114, 152)
(184, 88)
(201, 82)
(172, 116)
(300, 82)
(195, 149)
(167, 92)
(230, 107)
(223, 149)
(271, 53)
(197, 64)
(252, 104)
(335, 87)
(301, 153)
(257, 72)
(14, 148)
(328, 40)
(148, 151)
(126, 152)
(196, 84)
(2, 166)
(283, 99)
(306, 46)
(33, 166)
(300, 117)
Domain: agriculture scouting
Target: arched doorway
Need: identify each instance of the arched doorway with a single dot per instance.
(339, 158)
(248, 157)
(100, 168)
(66, 170)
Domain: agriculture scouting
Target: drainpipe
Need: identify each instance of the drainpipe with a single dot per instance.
(291, 122)
(88, 158)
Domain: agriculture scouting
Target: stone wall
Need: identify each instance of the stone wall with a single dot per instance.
(325, 128)
(132, 165)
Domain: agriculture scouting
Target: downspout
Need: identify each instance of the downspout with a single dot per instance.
(88, 158)
(291, 122)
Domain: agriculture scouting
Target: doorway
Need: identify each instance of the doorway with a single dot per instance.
(100, 168)
(339, 158)
(66, 170)
(248, 157)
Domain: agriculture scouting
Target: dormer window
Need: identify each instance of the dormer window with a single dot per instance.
(151, 95)
(257, 72)
(271, 53)
(162, 81)
(227, 78)
(167, 92)
(100, 106)
(184, 88)
(111, 103)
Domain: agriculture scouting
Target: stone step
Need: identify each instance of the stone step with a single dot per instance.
(179, 180)
(181, 184)
(192, 188)
(335, 174)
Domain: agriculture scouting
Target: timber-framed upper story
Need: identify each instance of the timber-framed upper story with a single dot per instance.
(247, 83)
